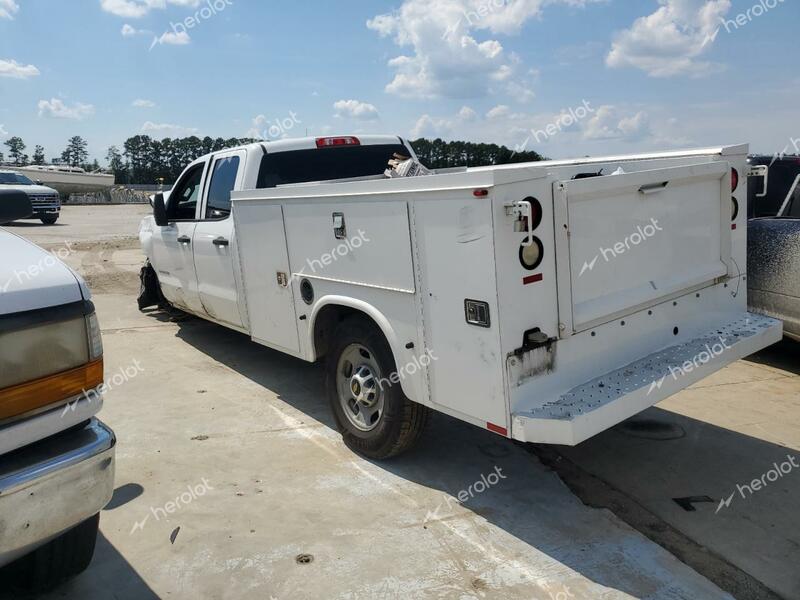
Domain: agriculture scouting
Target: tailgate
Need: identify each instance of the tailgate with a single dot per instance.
(629, 241)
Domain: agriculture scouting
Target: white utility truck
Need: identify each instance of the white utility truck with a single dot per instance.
(543, 301)
(56, 458)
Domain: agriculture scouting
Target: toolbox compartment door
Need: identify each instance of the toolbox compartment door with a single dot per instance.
(629, 241)
(265, 272)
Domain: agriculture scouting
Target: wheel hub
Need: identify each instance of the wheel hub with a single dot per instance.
(359, 391)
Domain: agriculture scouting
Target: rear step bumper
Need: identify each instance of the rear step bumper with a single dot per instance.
(596, 405)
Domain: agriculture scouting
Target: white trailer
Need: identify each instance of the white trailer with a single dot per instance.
(543, 301)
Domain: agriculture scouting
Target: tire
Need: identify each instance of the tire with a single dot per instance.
(359, 349)
(57, 561)
(48, 219)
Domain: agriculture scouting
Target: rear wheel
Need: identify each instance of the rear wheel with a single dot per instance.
(372, 413)
(48, 219)
(57, 561)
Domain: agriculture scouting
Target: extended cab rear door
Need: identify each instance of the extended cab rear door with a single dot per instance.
(214, 241)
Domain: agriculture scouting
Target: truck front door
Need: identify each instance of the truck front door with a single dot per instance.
(214, 241)
(172, 244)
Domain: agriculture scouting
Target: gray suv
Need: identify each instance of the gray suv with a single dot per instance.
(45, 201)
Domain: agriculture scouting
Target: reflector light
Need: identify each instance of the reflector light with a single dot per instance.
(497, 429)
(531, 256)
(331, 142)
(25, 397)
(480, 193)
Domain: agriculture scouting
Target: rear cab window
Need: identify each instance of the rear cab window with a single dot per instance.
(324, 164)
(223, 182)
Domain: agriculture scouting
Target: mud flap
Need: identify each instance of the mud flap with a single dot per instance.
(149, 289)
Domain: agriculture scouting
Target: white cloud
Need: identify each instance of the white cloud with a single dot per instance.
(355, 109)
(446, 57)
(135, 9)
(427, 126)
(128, 31)
(3, 129)
(498, 111)
(15, 70)
(172, 38)
(142, 103)
(56, 109)
(609, 123)
(257, 130)
(467, 114)
(671, 40)
(167, 129)
(8, 8)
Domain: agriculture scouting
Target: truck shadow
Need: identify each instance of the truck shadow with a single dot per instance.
(528, 502)
(108, 576)
(731, 494)
(784, 355)
(25, 225)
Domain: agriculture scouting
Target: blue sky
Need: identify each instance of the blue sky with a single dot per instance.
(650, 74)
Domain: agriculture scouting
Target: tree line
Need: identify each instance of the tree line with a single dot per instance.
(144, 160)
(438, 154)
(74, 155)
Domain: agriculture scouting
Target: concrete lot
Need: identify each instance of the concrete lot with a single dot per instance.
(249, 431)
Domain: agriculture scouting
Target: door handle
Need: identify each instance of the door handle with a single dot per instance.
(184, 239)
(221, 241)
(653, 188)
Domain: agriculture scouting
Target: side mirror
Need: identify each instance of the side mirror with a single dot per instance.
(160, 210)
(14, 205)
(38, 182)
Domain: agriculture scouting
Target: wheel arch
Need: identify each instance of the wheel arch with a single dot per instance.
(331, 310)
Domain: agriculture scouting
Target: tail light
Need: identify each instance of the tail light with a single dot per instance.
(331, 142)
(734, 179)
(531, 252)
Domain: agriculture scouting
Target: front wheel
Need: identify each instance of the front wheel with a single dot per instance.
(372, 413)
(48, 219)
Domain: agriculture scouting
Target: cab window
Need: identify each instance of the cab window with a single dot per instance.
(183, 200)
(223, 180)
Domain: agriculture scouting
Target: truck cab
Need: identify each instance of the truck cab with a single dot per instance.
(193, 253)
(56, 457)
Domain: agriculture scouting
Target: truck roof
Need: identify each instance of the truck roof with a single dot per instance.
(310, 143)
